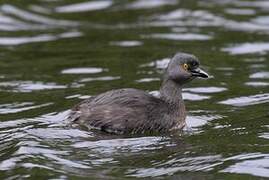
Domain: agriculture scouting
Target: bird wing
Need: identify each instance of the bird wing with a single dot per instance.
(117, 110)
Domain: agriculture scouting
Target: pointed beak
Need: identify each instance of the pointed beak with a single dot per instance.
(199, 73)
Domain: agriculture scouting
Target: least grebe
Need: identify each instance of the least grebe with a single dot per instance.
(135, 111)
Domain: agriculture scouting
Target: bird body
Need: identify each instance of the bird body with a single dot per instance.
(125, 111)
(129, 111)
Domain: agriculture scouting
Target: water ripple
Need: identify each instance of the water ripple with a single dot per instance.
(84, 6)
(28, 86)
(260, 75)
(202, 163)
(247, 100)
(83, 70)
(104, 78)
(247, 48)
(57, 133)
(143, 80)
(39, 38)
(254, 164)
(183, 36)
(160, 64)
(19, 107)
(257, 84)
(27, 16)
(202, 18)
(147, 4)
(126, 43)
(237, 11)
(206, 89)
(194, 97)
(198, 121)
(123, 145)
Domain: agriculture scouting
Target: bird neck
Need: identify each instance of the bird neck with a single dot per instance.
(171, 92)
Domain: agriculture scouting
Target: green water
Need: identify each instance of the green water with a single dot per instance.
(55, 53)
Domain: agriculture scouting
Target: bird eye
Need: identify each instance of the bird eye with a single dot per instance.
(185, 66)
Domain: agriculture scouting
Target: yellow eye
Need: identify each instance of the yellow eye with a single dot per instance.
(186, 67)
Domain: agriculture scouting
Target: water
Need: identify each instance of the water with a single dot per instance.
(54, 53)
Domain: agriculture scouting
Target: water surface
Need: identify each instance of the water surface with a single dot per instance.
(55, 53)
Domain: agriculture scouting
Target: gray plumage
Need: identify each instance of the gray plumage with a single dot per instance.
(135, 111)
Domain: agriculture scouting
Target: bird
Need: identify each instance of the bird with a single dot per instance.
(134, 111)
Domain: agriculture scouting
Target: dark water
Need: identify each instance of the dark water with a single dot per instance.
(53, 53)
